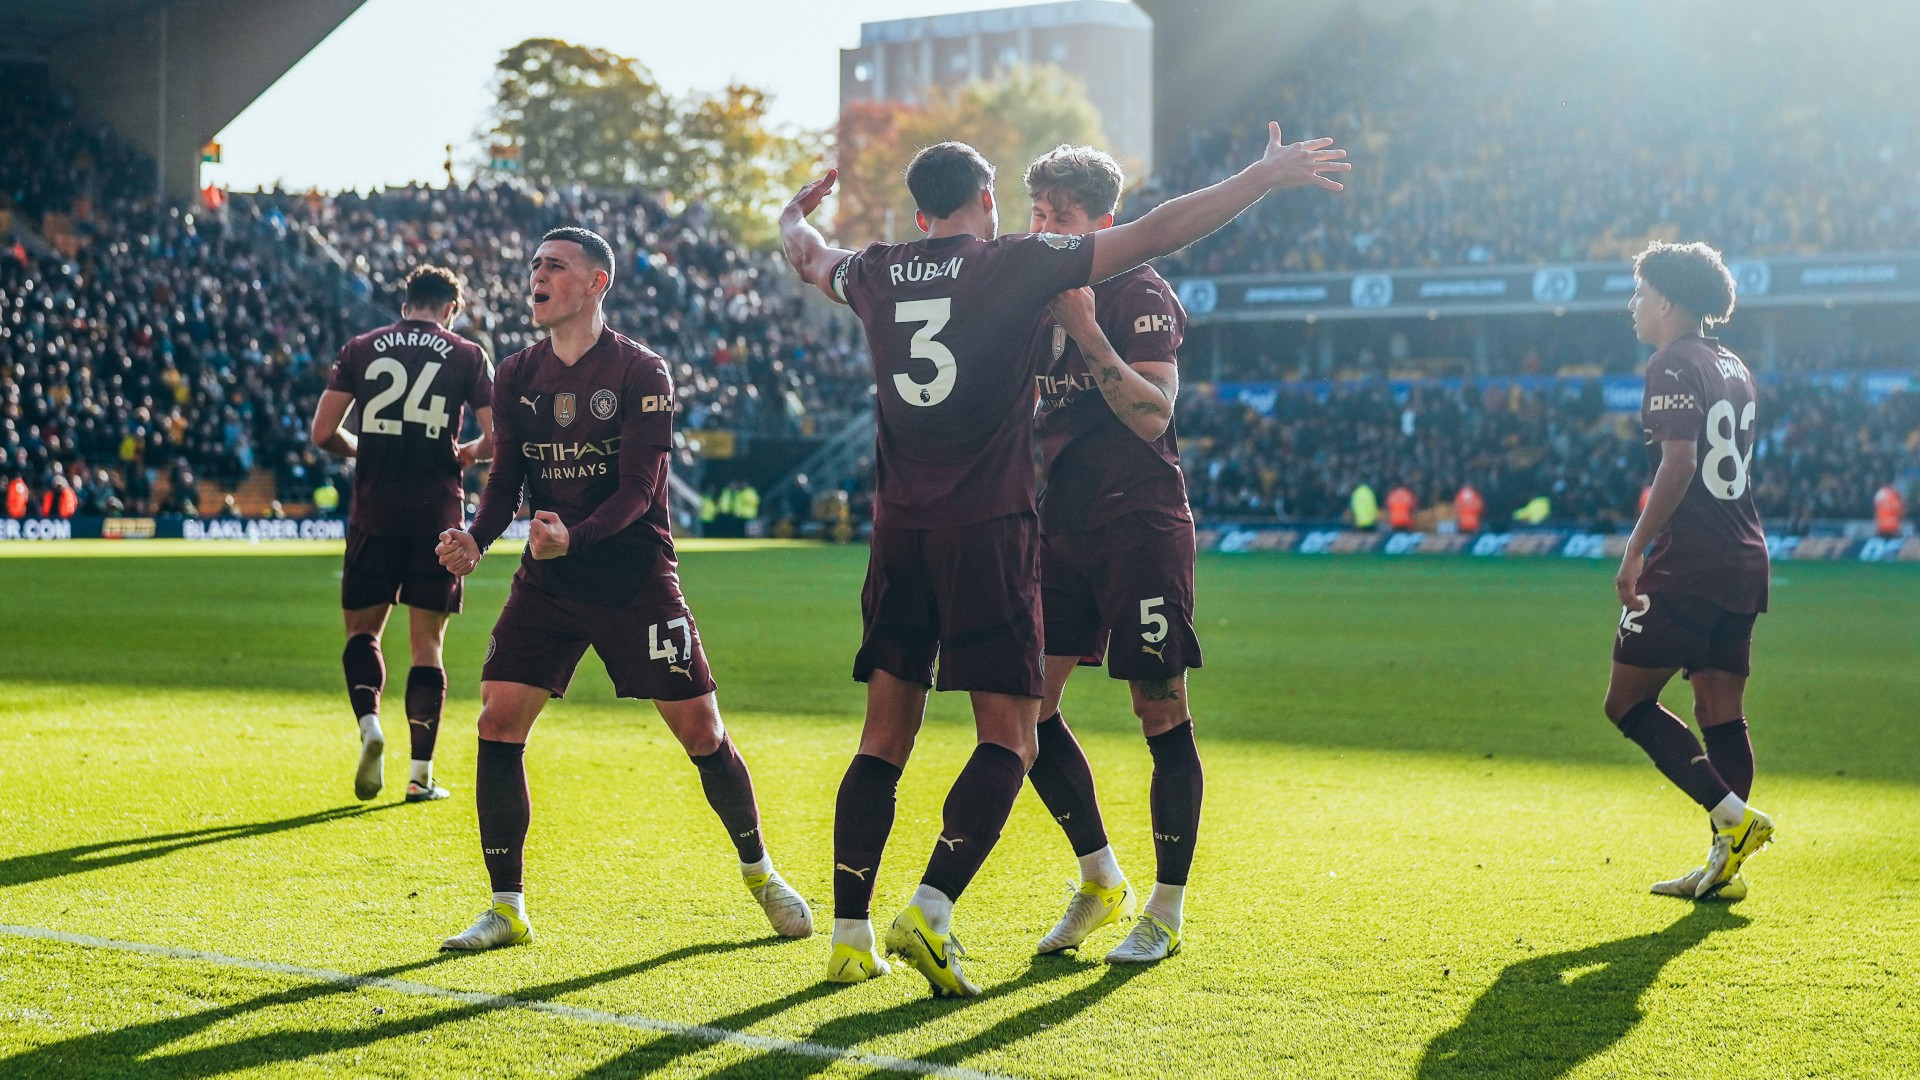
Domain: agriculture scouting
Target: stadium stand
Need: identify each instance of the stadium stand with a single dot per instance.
(1574, 131)
(1826, 447)
(163, 357)
(170, 354)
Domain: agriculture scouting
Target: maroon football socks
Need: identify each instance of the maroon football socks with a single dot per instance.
(862, 818)
(976, 810)
(366, 674)
(1064, 781)
(500, 792)
(1178, 786)
(1731, 751)
(426, 697)
(1675, 752)
(729, 788)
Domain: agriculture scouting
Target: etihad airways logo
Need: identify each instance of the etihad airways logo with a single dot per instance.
(575, 451)
(1060, 385)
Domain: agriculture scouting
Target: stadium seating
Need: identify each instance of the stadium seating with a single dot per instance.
(1575, 131)
(171, 353)
(1825, 448)
(159, 358)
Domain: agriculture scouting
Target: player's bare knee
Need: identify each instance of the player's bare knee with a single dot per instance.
(1160, 704)
(890, 744)
(699, 736)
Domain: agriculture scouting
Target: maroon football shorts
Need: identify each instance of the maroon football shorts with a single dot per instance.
(649, 652)
(968, 595)
(1685, 632)
(1129, 583)
(400, 568)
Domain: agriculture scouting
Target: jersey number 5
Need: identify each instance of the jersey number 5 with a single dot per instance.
(433, 416)
(933, 316)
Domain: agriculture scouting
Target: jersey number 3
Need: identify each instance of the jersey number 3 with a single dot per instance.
(431, 414)
(933, 316)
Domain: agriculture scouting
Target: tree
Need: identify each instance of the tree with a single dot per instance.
(567, 113)
(871, 155)
(574, 112)
(1012, 119)
(727, 156)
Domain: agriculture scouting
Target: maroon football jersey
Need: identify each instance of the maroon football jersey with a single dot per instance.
(409, 381)
(1096, 469)
(1713, 546)
(948, 323)
(567, 433)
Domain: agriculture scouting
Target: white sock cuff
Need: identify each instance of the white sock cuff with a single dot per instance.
(1729, 812)
(935, 905)
(764, 866)
(855, 932)
(515, 900)
(1101, 868)
(1167, 902)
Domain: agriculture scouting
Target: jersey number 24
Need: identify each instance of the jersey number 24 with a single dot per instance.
(432, 414)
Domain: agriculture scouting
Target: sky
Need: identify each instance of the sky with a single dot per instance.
(377, 102)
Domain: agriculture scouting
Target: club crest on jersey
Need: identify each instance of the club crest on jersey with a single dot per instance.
(563, 409)
(1060, 241)
(604, 404)
(1059, 340)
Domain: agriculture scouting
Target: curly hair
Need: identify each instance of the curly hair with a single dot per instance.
(430, 287)
(1692, 276)
(1089, 179)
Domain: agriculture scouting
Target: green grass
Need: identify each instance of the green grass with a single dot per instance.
(1425, 852)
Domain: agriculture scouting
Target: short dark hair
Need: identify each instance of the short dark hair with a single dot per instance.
(944, 176)
(1692, 276)
(430, 287)
(599, 252)
(1088, 178)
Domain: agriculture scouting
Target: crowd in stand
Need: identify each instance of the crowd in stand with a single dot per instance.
(747, 355)
(148, 347)
(1824, 448)
(1515, 131)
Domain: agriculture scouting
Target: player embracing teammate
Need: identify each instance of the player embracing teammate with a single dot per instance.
(954, 573)
(1689, 606)
(1116, 555)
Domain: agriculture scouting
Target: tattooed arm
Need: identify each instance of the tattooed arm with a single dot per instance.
(1141, 395)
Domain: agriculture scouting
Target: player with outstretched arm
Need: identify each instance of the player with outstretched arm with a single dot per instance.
(1116, 556)
(954, 573)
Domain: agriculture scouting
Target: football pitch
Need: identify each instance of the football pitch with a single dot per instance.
(1425, 853)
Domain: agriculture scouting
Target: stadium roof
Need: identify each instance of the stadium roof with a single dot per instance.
(32, 26)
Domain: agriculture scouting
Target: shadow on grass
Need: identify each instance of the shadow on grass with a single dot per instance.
(857, 1028)
(27, 869)
(1543, 1017)
(132, 1051)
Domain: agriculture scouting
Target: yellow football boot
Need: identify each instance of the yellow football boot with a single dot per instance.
(1090, 908)
(1732, 847)
(935, 955)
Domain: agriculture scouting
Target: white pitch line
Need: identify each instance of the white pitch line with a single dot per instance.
(697, 1032)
